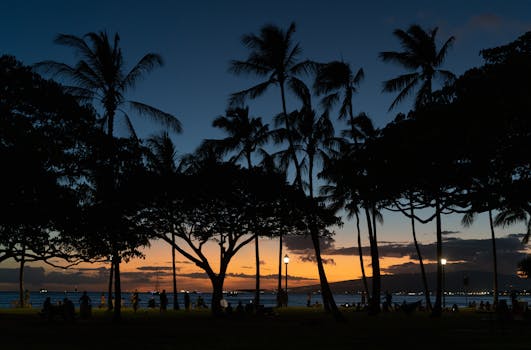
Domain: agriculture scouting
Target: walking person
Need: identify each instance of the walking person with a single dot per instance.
(163, 301)
(134, 300)
(186, 301)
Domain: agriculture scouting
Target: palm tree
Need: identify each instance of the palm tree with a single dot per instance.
(245, 136)
(337, 80)
(274, 57)
(162, 160)
(422, 59)
(467, 221)
(314, 137)
(101, 75)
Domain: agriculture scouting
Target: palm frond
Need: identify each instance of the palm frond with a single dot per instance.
(157, 115)
(447, 76)
(238, 98)
(404, 93)
(468, 219)
(129, 126)
(443, 51)
(299, 88)
(56, 68)
(145, 65)
(246, 67)
(75, 42)
(358, 78)
(330, 100)
(400, 82)
(80, 93)
(403, 58)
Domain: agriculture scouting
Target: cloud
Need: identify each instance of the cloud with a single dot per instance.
(486, 22)
(154, 268)
(262, 262)
(311, 258)
(447, 232)
(489, 24)
(301, 244)
(462, 253)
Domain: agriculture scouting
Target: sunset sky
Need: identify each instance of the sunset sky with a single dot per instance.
(197, 39)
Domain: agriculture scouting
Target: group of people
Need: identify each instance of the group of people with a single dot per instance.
(64, 309)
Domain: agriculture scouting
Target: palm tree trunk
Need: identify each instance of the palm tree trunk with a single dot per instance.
(421, 263)
(117, 316)
(174, 274)
(298, 176)
(494, 259)
(256, 252)
(326, 293)
(360, 253)
(21, 278)
(374, 305)
(257, 284)
(437, 309)
(279, 287)
(109, 299)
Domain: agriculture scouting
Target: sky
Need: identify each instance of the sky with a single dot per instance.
(198, 39)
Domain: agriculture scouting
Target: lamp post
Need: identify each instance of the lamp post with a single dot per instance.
(286, 261)
(443, 263)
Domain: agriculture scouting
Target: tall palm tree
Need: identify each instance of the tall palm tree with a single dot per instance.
(338, 82)
(245, 136)
(275, 57)
(162, 160)
(467, 221)
(100, 75)
(421, 57)
(314, 137)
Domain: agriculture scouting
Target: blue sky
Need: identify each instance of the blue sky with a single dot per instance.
(197, 39)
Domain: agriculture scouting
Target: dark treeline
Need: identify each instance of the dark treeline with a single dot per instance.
(73, 190)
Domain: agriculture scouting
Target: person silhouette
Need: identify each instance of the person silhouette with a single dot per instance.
(27, 298)
(163, 300)
(103, 302)
(85, 305)
(47, 308)
(186, 301)
(134, 300)
(69, 310)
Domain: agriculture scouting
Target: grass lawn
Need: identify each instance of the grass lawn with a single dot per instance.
(292, 328)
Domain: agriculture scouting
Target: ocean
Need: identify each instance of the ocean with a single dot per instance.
(268, 299)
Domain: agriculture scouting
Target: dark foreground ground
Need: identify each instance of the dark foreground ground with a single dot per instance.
(294, 328)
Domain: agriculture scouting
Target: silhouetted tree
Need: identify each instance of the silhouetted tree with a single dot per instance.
(245, 136)
(275, 57)
(220, 203)
(43, 137)
(162, 159)
(101, 75)
(420, 56)
(524, 267)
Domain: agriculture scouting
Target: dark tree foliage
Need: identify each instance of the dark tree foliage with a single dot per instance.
(524, 267)
(116, 192)
(43, 134)
(223, 204)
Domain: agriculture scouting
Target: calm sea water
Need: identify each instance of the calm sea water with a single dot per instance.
(267, 299)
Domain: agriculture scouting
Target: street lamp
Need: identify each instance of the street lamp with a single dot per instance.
(286, 261)
(443, 263)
